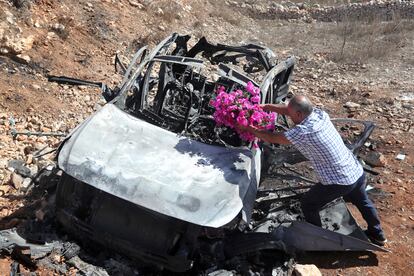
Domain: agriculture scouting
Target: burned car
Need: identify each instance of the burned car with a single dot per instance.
(151, 175)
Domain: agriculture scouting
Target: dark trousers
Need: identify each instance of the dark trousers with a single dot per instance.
(319, 195)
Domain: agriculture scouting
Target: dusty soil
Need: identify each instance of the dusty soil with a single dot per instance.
(369, 63)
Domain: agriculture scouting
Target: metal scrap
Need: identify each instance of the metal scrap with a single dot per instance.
(10, 239)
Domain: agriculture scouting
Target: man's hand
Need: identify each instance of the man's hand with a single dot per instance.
(278, 108)
(266, 107)
(276, 138)
(250, 129)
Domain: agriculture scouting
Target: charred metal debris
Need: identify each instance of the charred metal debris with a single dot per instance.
(150, 176)
(14, 132)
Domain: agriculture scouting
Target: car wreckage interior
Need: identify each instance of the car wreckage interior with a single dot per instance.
(174, 94)
(173, 220)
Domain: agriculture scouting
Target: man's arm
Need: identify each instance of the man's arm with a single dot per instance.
(278, 108)
(270, 137)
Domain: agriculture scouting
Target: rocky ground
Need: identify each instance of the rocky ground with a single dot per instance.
(351, 64)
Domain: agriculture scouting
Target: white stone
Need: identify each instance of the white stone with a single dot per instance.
(306, 270)
(24, 58)
(400, 157)
(375, 159)
(3, 163)
(58, 27)
(36, 87)
(26, 183)
(351, 105)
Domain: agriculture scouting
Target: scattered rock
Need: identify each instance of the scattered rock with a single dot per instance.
(400, 157)
(4, 189)
(10, 17)
(44, 164)
(28, 150)
(375, 159)
(306, 270)
(135, 4)
(159, 11)
(51, 36)
(16, 44)
(58, 27)
(36, 87)
(278, 7)
(25, 184)
(13, 164)
(19, 167)
(3, 163)
(23, 58)
(17, 180)
(29, 159)
(351, 105)
(34, 170)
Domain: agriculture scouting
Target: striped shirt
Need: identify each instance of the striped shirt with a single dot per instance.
(319, 141)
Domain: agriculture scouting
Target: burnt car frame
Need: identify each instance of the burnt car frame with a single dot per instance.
(151, 176)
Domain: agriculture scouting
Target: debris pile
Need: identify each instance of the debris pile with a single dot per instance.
(90, 204)
(12, 41)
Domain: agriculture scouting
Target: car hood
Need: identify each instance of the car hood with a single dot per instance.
(154, 168)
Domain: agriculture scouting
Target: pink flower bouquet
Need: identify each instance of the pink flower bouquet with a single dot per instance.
(241, 107)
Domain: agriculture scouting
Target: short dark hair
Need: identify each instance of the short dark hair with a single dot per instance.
(302, 104)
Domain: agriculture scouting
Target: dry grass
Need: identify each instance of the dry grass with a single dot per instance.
(227, 14)
(371, 39)
(167, 10)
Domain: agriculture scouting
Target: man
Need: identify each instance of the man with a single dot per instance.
(338, 170)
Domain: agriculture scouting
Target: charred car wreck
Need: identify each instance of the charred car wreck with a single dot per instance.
(150, 174)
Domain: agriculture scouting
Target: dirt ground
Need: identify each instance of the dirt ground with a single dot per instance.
(368, 63)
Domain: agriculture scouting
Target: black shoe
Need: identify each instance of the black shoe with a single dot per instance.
(378, 239)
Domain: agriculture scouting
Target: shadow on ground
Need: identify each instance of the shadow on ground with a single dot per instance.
(335, 260)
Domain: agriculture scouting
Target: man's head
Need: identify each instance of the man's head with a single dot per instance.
(299, 108)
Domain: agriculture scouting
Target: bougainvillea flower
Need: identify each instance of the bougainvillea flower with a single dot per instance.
(241, 107)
